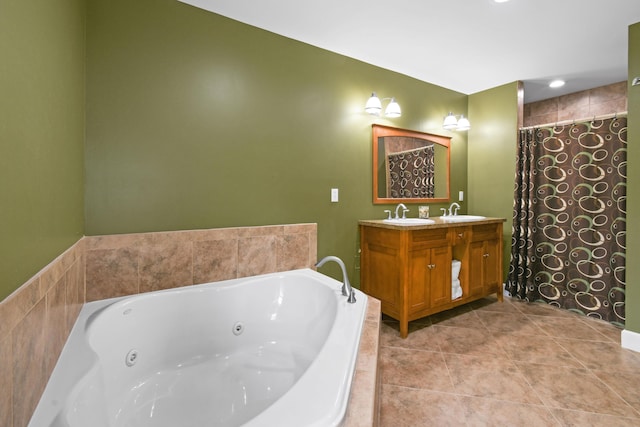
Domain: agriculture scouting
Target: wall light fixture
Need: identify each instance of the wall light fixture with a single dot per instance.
(374, 107)
(453, 122)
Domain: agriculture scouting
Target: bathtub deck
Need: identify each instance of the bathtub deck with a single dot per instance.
(363, 401)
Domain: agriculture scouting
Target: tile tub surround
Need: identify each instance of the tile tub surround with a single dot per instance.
(36, 319)
(128, 264)
(365, 390)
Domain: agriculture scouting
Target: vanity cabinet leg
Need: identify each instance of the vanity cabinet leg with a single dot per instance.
(404, 328)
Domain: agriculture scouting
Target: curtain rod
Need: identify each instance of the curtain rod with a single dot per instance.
(586, 119)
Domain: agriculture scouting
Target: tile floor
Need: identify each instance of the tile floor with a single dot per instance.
(507, 364)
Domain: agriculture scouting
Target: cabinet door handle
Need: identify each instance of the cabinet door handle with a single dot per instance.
(485, 255)
(461, 235)
(431, 266)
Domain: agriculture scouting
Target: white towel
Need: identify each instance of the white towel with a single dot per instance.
(455, 269)
(456, 290)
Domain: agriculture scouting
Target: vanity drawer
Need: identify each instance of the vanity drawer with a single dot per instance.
(486, 232)
(430, 237)
(459, 235)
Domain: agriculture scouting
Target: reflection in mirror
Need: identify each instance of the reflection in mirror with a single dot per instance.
(409, 166)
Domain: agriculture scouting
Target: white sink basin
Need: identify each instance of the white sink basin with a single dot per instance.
(462, 218)
(409, 221)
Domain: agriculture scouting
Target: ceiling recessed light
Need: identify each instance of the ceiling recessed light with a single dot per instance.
(556, 83)
(500, 1)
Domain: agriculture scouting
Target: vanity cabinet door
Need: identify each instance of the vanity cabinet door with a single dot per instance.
(492, 267)
(476, 268)
(430, 284)
(440, 276)
(484, 267)
(418, 292)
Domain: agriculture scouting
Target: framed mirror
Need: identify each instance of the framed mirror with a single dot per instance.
(409, 166)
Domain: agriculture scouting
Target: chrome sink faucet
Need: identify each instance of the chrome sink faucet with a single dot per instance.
(453, 211)
(404, 210)
(347, 290)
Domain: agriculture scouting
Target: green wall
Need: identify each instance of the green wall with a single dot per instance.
(198, 121)
(41, 134)
(633, 186)
(492, 154)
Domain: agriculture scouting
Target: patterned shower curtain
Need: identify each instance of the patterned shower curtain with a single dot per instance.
(568, 245)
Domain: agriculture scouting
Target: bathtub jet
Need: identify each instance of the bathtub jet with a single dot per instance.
(277, 349)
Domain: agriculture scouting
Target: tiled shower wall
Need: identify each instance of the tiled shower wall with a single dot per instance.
(36, 319)
(586, 104)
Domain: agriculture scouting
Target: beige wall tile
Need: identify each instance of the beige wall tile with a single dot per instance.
(74, 292)
(166, 264)
(599, 101)
(576, 112)
(18, 304)
(609, 107)
(266, 230)
(257, 255)
(574, 100)
(608, 93)
(56, 327)
(6, 383)
(215, 234)
(111, 273)
(215, 260)
(113, 241)
(299, 228)
(293, 252)
(29, 365)
(544, 119)
(545, 107)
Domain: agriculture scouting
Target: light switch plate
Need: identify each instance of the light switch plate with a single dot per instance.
(334, 195)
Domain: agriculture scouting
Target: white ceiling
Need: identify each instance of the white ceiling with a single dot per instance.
(464, 45)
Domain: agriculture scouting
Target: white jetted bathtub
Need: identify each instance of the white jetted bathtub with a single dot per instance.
(275, 350)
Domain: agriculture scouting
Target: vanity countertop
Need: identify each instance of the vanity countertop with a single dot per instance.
(439, 223)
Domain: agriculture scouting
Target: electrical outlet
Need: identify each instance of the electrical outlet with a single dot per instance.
(460, 196)
(334, 195)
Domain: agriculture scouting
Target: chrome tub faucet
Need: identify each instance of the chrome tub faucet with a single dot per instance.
(347, 290)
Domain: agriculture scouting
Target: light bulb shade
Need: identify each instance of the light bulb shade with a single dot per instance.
(463, 123)
(373, 106)
(450, 122)
(393, 109)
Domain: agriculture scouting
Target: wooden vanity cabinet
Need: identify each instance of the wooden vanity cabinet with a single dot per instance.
(409, 268)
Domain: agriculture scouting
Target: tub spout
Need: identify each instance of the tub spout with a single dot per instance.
(347, 290)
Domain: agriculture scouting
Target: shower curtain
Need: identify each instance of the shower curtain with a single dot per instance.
(568, 244)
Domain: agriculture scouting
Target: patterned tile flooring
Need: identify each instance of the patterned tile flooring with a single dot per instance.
(507, 364)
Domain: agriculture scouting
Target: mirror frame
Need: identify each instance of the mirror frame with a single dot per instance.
(379, 131)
